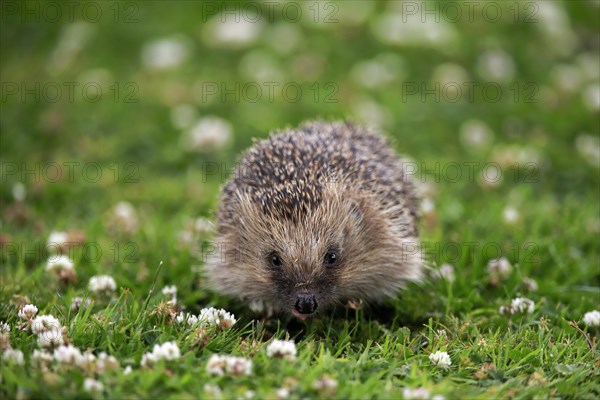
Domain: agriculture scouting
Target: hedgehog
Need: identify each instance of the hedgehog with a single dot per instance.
(314, 217)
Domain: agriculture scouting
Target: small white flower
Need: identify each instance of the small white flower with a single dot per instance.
(592, 318)
(127, 370)
(530, 284)
(440, 359)
(165, 53)
(216, 365)
(59, 262)
(13, 356)
(4, 327)
(170, 351)
(282, 393)
(216, 317)
(499, 268)
(57, 241)
(510, 215)
(171, 293)
(79, 302)
(92, 385)
(208, 134)
(235, 366)
(232, 30)
(42, 357)
(123, 217)
(591, 97)
(102, 283)
(282, 349)
(44, 323)
(519, 305)
(238, 366)
(148, 360)
(325, 383)
(106, 362)
(496, 66)
(19, 192)
(165, 351)
(188, 318)
(588, 147)
(68, 354)
(445, 271)
(476, 134)
(415, 394)
(51, 338)
(28, 312)
(212, 391)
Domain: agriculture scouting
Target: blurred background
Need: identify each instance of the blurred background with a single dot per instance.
(146, 105)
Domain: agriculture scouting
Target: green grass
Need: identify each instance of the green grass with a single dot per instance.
(374, 352)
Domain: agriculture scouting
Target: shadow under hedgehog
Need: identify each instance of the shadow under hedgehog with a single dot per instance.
(313, 217)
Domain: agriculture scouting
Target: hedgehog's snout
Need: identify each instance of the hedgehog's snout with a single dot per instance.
(306, 303)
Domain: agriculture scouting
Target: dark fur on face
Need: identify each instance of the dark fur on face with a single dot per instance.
(313, 217)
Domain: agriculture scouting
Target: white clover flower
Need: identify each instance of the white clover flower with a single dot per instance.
(522, 305)
(212, 316)
(165, 53)
(208, 134)
(592, 318)
(92, 385)
(530, 284)
(212, 391)
(216, 365)
(188, 318)
(123, 217)
(68, 354)
(591, 97)
(222, 364)
(105, 362)
(476, 134)
(170, 291)
(28, 312)
(13, 356)
(238, 366)
(588, 147)
(19, 191)
(326, 383)
(59, 262)
(427, 205)
(44, 323)
(510, 215)
(519, 305)
(411, 29)
(87, 361)
(4, 327)
(51, 338)
(232, 30)
(499, 268)
(127, 370)
(282, 393)
(148, 360)
(57, 241)
(496, 66)
(42, 356)
(446, 272)
(102, 283)
(79, 302)
(415, 394)
(440, 359)
(169, 351)
(282, 349)
(166, 351)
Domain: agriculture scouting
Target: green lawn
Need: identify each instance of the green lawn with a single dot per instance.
(99, 107)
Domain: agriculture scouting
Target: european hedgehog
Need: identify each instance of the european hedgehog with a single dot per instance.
(313, 217)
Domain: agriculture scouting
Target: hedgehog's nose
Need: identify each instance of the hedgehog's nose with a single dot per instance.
(306, 303)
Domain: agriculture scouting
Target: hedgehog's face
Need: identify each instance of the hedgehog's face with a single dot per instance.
(335, 251)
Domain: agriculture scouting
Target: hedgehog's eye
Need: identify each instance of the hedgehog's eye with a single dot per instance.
(275, 260)
(330, 259)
